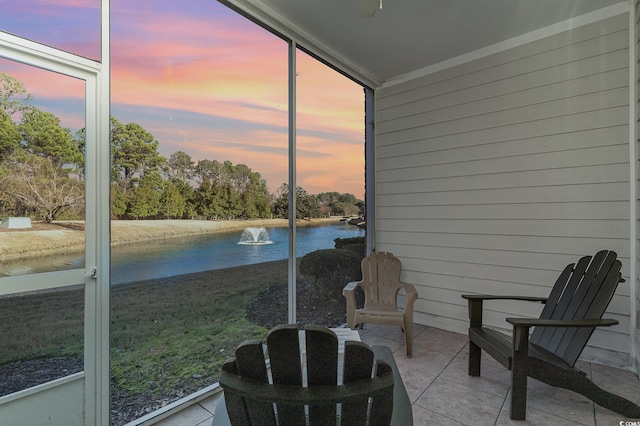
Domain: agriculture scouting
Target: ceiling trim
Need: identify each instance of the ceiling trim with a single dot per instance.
(256, 11)
(588, 18)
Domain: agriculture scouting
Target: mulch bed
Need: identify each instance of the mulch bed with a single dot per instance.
(20, 375)
(269, 308)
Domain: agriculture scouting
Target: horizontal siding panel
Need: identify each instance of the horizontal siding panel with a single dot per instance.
(476, 285)
(548, 262)
(613, 155)
(611, 338)
(580, 34)
(617, 41)
(611, 210)
(610, 64)
(446, 150)
(502, 279)
(574, 176)
(446, 311)
(529, 113)
(619, 304)
(569, 91)
(412, 242)
(540, 287)
(585, 193)
(557, 228)
(448, 315)
(617, 116)
(454, 325)
(530, 281)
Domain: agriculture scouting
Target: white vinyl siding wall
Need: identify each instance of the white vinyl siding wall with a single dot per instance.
(636, 339)
(492, 175)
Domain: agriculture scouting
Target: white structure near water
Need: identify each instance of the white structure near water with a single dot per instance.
(16, 222)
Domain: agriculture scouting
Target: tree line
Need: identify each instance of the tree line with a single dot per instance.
(42, 174)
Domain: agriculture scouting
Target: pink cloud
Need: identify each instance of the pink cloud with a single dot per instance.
(55, 93)
(88, 4)
(48, 8)
(215, 64)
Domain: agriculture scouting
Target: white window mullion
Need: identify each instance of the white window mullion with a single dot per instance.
(292, 184)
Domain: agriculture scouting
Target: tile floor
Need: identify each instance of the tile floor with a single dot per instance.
(443, 394)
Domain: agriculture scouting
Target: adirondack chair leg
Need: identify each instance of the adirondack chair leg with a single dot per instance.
(475, 352)
(408, 334)
(518, 393)
(475, 359)
(519, 373)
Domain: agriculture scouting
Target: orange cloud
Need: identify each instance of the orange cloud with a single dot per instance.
(213, 84)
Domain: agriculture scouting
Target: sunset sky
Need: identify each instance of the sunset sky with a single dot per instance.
(203, 80)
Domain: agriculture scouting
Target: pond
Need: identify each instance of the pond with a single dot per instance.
(183, 255)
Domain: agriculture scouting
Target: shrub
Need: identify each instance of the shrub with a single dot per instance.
(355, 244)
(341, 242)
(330, 270)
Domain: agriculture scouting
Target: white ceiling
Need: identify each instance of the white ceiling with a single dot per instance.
(408, 35)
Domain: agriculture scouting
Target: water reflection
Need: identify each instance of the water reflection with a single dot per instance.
(60, 262)
(183, 255)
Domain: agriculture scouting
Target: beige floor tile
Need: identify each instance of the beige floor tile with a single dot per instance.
(415, 382)
(585, 367)
(440, 340)
(618, 381)
(210, 403)
(192, 416)
(606, 417)
(393, 332)
(461, 403)
(424, 417)
(535, 418)
(428, 361)
(493, 380)
(373, 339)
(559, 402)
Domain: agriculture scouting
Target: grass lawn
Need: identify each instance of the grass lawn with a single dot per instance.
(169, 336)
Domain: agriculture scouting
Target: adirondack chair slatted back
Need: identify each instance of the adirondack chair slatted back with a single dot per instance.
(583, 291)
(381, 279)
(286, 369)
(248, 356)
(314, 396)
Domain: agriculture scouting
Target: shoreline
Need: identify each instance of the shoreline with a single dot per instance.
(68, 236)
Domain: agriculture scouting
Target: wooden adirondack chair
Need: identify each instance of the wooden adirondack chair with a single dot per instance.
(571, 312)
(292, 397)
(381, 284)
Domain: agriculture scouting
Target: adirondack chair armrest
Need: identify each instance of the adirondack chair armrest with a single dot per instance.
(411, 294)
(481, 297)
(350, 296)
(475, 305)
(537, 322)
(350, 287)
(521, 327)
